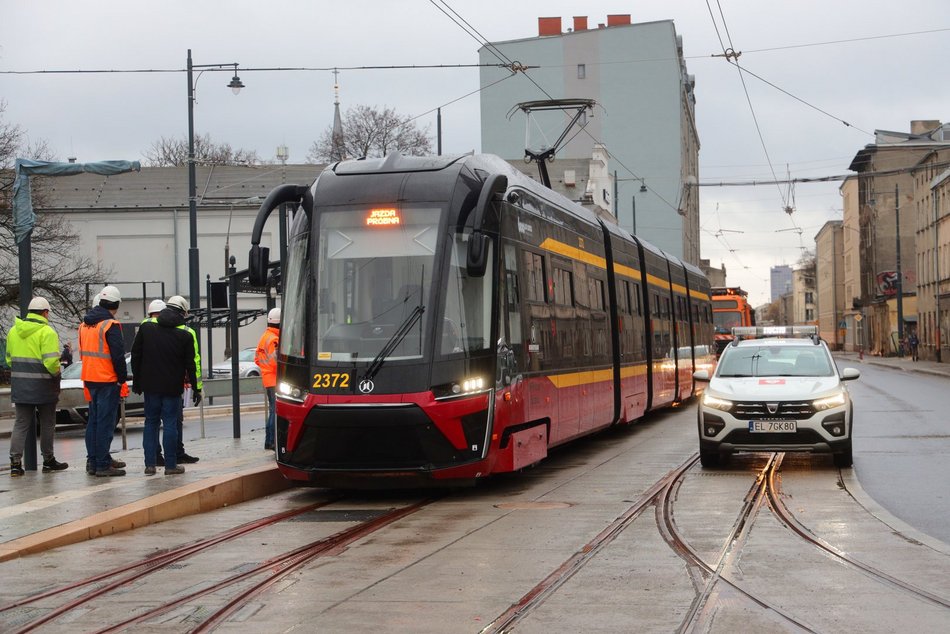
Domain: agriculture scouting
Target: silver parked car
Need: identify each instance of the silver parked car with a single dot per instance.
(246, 366)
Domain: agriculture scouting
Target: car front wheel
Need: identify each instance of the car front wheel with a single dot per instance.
(843, 458)
(709, 459)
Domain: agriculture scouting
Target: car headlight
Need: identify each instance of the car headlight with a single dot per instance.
(290, 392)
(836, 400)
(716, 403)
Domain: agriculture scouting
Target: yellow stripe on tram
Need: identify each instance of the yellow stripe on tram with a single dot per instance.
(575, 379)
(576, 253)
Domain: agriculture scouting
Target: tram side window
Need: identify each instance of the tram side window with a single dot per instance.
(563, 287)
(466, 323)
(512, 295)
(294, 331)
(623, 302)
(535, 279)
(596, 293)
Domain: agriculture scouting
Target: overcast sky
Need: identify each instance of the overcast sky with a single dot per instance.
(849, 60)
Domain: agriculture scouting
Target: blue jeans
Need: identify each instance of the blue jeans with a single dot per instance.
(161, 410)
(100, 428)
(270, 396)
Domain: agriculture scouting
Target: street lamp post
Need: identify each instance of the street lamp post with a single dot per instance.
(194, 288)
(900, 275)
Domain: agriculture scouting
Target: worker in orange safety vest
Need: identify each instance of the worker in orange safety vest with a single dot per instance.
(266, 360)
(102, 350)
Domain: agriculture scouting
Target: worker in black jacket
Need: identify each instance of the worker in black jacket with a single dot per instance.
(163, 360)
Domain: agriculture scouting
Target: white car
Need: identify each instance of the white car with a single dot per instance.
(780, 391)
(72, 406)
(246, 366)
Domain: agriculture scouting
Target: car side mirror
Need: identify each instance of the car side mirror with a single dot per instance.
(701, 375)
(850, 374)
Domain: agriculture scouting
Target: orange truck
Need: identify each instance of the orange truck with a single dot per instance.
(730, 309)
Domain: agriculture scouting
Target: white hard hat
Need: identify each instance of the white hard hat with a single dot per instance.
(95, 300)
(179, 302)
(156, 306)
(273, 317)
(38, 303)
(110, 294)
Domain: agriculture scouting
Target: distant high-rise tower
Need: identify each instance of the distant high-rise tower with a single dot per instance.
(337, 147)
(781, 281)
(645, 115)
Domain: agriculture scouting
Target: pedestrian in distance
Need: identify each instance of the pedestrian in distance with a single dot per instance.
(66, 357)
(913, 342)
(102, 351)
(266, 359)
(163, 361)
(33, 356)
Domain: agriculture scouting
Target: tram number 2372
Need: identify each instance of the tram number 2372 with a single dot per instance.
(331, 380)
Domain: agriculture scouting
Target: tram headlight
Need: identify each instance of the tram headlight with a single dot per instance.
(456, 389)
(474, 384)
(290, 392)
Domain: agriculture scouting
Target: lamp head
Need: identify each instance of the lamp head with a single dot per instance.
(236, 83)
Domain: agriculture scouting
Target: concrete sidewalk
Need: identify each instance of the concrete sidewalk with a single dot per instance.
(899, 363)
(40, 510)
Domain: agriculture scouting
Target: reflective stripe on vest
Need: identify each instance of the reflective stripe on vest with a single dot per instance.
(94, 351)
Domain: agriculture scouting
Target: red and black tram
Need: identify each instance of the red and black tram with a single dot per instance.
(447, 318)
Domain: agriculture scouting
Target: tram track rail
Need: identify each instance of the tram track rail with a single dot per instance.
(271, 570)
(710, 576)
(781, 510)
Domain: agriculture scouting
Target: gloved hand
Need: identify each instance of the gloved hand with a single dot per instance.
(136, 388)
(196, 397)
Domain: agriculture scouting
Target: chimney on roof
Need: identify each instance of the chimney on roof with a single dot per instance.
(618, 19)
(71, 159)
(580, 23)
(549, 26)
(923, 126)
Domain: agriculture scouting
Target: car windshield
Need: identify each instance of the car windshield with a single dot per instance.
(247, 354)
(74, 371)
(765, 360)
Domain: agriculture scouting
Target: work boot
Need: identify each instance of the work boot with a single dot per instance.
(174, 470)
(160, 460)
(51, 464)
(91, 467)
(186, 459)
(149, 471)
(16, 467)
(110, 472)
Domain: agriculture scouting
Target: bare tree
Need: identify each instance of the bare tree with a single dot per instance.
(173, 152)
(59, 273)
(372, 132)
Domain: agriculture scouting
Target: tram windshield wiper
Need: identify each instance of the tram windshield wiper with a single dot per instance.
(394, 341)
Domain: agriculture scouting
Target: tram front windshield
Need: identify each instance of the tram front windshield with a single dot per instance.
(374, 280)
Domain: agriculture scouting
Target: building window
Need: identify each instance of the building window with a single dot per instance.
(581, 71)
(809, 297)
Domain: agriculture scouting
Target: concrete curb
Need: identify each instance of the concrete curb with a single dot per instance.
(205, 495)
(852, 485)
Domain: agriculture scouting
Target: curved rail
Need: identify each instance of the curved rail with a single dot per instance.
(148, 565)
(539, 593)
(792, 523)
